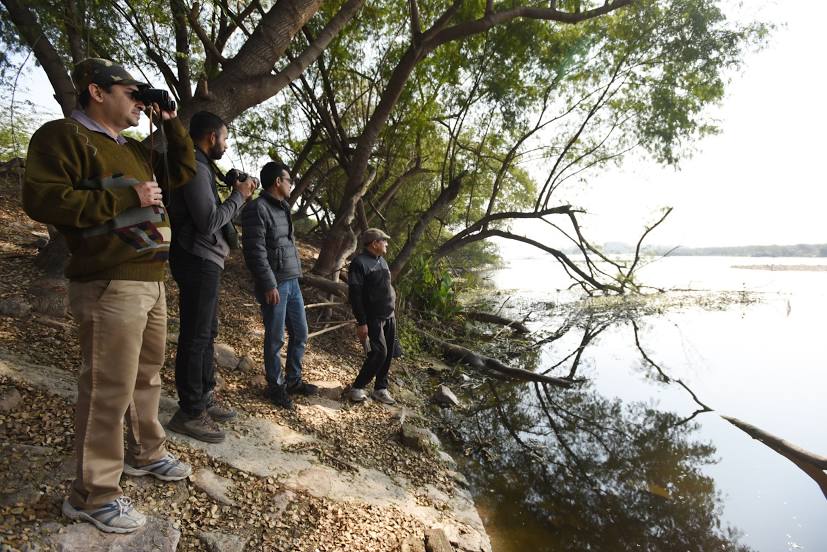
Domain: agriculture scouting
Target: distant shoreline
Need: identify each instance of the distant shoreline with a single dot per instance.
(783, 268)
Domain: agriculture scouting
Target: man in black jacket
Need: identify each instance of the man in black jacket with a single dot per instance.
(271, 256)
(373, 299)
(197, 255)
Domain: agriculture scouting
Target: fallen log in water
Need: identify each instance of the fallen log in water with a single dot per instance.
(515, 325)
(482, 362)
(811, 464)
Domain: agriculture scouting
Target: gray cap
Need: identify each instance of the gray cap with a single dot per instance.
(373, 234)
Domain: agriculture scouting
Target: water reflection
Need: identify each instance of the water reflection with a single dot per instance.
(570, 469)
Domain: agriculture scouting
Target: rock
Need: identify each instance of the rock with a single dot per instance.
(54, 323)
(413, 544)
(214, 485)
(445, 397)
(26, 496)
(172, 337)
(282, 500)
(225, 356)
(14, 306)
(446, 459)
(246, 364)
(418, 438)
(50, 296)
(158, 535)
(437, 541)
(437, 367)
(406, 396)
(222, 542)
(459, 478)
(9, 398)
(330, 389)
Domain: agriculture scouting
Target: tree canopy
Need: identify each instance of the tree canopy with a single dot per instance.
(443, 122)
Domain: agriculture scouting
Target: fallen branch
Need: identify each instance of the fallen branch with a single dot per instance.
(317, 305)
(515, 325)
(330, 329)
(319, 282)
(481, 362)
(811, 464)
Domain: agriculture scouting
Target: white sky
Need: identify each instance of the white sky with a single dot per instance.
(758, 182)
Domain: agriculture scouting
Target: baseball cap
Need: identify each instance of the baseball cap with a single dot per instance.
(102, 72)
(373, 234)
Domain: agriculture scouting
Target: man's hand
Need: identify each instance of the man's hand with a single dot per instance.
(362, 332)
(271, 297)
(165, 115)
(149, 193)
(246, 188)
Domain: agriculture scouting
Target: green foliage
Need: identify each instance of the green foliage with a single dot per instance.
(16, 127)
(430, 289)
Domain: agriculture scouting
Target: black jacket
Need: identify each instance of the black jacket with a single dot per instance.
(198, 216)
(369, 288)
(267, 238)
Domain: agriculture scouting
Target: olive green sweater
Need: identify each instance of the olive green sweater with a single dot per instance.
(81, 181)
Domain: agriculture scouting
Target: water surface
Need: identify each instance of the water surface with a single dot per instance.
(633, 460)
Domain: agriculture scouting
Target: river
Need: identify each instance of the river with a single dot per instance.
(637, 456)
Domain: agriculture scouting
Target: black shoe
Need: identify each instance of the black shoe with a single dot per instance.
(279, 397)
(302, 388)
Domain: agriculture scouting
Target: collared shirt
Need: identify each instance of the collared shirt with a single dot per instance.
(84, 119)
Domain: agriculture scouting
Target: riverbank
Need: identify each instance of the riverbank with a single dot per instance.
(329, 475)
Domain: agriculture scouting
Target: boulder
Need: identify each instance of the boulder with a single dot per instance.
(158, 535)
(330, 389)
(222, 542)
(214, 485)
(444, 397)
(413, 544)
(247, 364)
(418, 438)
(225, 356)
(437, 541)
(9, 398)
(49, 296)
(14, 306)
(446, 459)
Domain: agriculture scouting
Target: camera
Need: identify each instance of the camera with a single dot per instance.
(150, 96)
(234, 175)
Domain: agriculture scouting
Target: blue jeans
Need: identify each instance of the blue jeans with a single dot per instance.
(290, 313)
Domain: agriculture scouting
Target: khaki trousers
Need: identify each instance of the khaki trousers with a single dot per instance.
(123, 328)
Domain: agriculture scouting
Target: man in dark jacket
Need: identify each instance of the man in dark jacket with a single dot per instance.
(271, 256)
(196, 259)
(373, 299)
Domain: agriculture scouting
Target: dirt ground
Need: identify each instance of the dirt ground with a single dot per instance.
(37, 476)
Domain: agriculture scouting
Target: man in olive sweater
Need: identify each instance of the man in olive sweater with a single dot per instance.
(99, 190)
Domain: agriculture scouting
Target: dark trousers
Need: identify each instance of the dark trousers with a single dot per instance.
(382, 336)
(198, 284)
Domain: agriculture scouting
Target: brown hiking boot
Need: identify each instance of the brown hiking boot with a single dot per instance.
(218, 410)
(200, 427)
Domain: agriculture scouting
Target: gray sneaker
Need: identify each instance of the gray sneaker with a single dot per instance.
(358, 395)
(383, 396)
(118, 516)
(168, 468)
(200, 427)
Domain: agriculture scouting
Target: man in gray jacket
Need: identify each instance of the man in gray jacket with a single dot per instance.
(271, 255)
(197, 255)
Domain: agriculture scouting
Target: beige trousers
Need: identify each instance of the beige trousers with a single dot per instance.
(123, 328)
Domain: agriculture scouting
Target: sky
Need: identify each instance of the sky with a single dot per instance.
(758, 182)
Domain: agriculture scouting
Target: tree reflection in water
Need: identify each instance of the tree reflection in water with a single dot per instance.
(568, 469)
